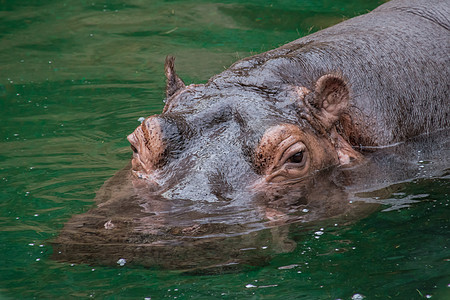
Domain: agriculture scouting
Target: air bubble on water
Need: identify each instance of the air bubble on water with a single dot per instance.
(264, 247)
(36, 215)
(41, 246)
(318, 232)
(121, 262)
(250, 286)
(38, 259)
(358, 297)
(288, 267)
(305, 210)
(93, 270)
(428, 296)
(30, 244)
(72, 265)
(141, 119)
(148, 298)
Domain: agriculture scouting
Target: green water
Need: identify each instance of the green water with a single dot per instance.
(74, 78)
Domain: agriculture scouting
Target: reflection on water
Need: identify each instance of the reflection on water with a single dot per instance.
(143, 228)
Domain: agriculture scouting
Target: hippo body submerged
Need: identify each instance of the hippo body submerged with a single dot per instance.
(254, 147)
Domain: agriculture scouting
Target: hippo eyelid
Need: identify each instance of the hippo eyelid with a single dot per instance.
(291, 151)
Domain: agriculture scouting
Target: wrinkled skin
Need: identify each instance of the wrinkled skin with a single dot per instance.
(257, 146)
(282, 115)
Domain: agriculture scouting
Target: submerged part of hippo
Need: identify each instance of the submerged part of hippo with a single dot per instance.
(146, 229)
(257, 146)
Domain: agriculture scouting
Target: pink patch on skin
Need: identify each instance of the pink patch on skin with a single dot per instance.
(282, 140)
(148, 141)
(301, 91)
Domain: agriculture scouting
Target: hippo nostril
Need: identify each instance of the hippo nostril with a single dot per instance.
(134, 149)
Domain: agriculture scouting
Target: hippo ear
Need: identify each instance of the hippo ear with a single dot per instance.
(331, 98)
(174, 83)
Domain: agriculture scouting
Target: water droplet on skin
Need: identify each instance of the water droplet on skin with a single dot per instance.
(121, 262)
(109, 225)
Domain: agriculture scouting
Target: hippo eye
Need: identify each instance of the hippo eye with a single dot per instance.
(295, 155)
(134, 149)
(297, 158)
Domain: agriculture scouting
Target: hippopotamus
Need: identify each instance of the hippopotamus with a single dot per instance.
(280, 116)
(269, 140)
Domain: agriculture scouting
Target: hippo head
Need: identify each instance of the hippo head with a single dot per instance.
(240, 135)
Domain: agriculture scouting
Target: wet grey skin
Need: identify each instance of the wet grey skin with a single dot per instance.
(371, 81)
(279, 137)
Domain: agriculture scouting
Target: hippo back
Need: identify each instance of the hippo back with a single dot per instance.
(396, 61)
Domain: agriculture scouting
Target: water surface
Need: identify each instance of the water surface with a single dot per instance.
(74, 78)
